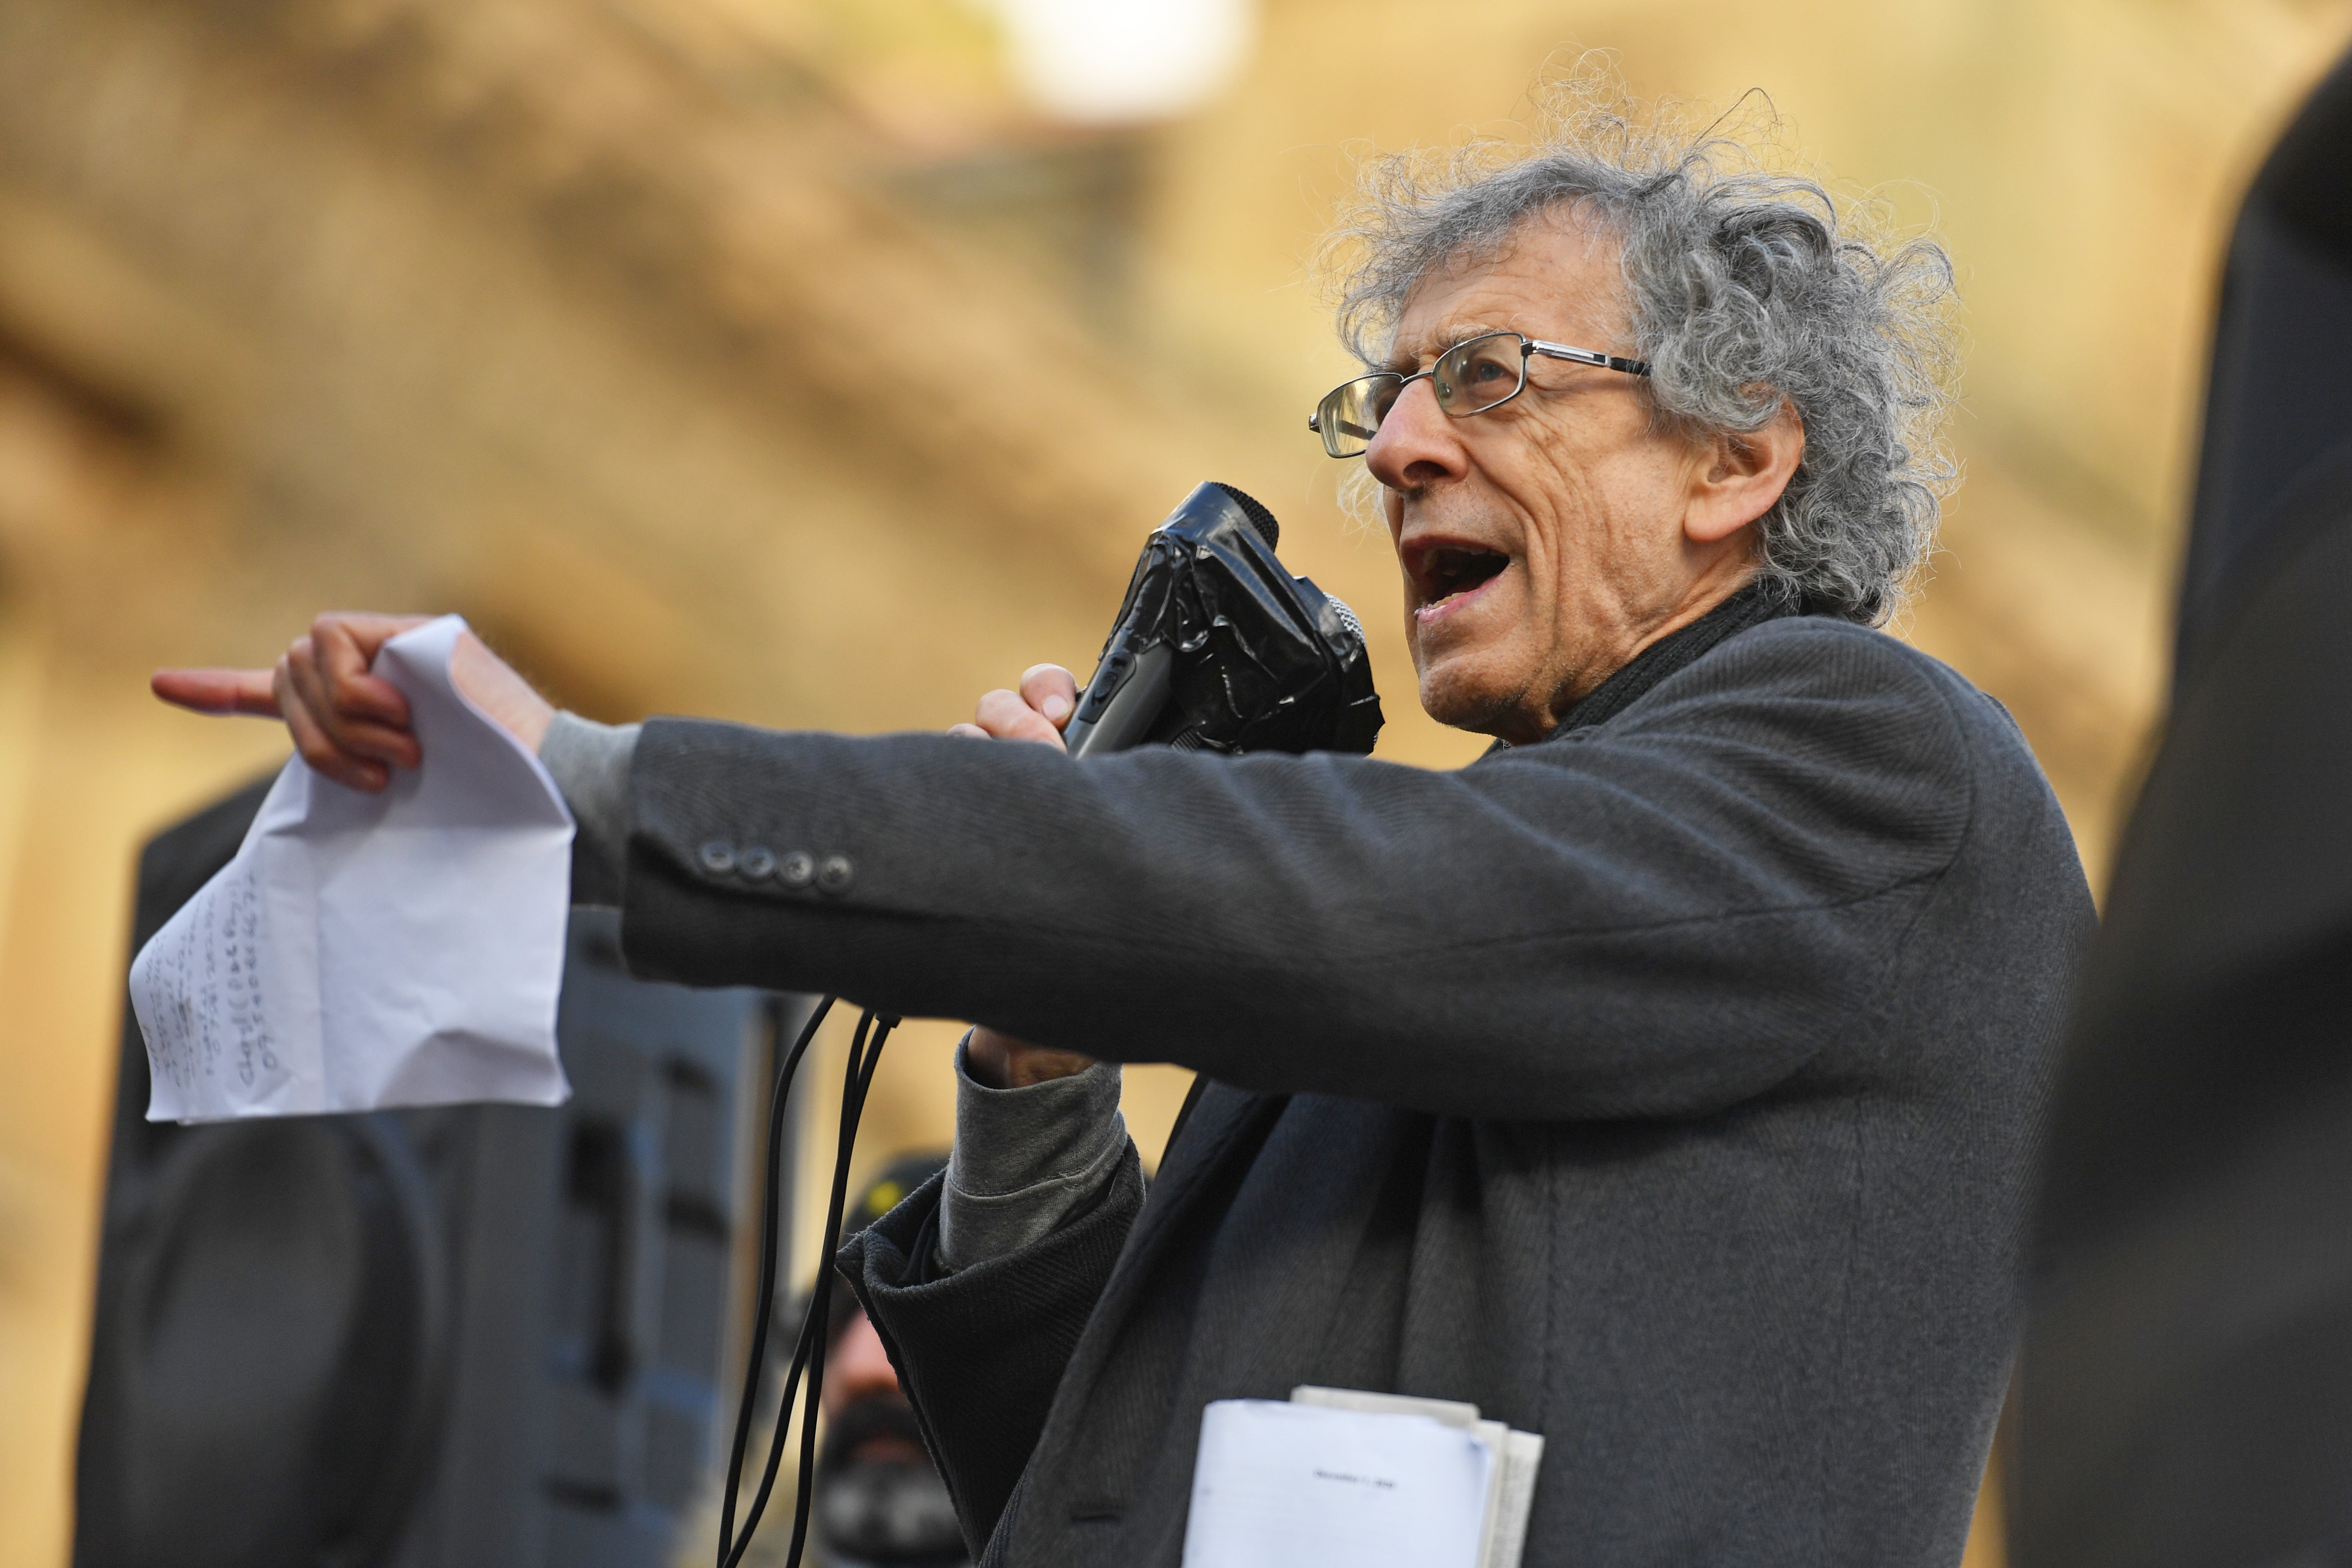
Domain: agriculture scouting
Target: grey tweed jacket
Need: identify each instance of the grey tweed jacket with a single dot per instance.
(1668, 1088)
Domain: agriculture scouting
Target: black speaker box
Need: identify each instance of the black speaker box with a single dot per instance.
(426, 1339)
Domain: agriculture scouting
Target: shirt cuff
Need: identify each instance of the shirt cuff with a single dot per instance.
(589, 764)
(1026, 1160)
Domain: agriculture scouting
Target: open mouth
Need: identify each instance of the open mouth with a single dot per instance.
(1450, 573)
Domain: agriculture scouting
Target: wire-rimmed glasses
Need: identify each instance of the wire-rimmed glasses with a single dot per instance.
(1481, 372)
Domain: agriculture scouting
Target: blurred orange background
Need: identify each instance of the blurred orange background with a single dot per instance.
(822, 362)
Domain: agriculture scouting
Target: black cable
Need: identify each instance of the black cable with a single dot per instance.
(809, 1346)
(821, 1306)
(767, 1292)
(803, 1348)
(808, 1354)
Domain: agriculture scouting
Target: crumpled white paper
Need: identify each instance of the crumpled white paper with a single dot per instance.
(367, 951)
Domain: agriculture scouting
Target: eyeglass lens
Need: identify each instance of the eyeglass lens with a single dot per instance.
(1351, 414)
(1473, 377)
(1468, 378)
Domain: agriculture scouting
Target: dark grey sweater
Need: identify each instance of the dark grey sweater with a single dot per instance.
(1667, 1089)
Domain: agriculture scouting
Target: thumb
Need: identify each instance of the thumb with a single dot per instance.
(1051, 690)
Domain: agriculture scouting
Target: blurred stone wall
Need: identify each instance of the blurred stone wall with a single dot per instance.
(763, 358)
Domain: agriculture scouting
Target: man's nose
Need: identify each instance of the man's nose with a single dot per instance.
(1416, 446)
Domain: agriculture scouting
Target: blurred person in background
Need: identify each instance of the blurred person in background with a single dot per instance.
(1664, 1082)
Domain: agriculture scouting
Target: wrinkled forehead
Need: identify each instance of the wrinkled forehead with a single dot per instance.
(1558, 275)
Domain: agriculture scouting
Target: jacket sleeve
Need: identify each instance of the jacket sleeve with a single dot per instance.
(980, 1352)
(1659, 916)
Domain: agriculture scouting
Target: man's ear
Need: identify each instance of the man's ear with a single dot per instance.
(1736, 477)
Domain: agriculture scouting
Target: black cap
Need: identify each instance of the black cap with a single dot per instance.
(890, 1187)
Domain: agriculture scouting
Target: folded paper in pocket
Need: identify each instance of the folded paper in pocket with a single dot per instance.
(1281, 1485)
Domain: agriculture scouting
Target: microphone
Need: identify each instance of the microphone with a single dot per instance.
(1217, 648)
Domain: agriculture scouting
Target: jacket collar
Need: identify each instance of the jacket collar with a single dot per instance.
(1751, 607)
(1679, 649)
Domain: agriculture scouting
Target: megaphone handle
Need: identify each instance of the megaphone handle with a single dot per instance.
(1122, 700)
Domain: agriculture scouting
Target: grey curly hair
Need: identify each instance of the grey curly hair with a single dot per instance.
(1746, 285)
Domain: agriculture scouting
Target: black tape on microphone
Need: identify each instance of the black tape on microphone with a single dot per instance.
(1216, 649)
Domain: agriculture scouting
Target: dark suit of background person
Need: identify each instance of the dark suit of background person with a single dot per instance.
(2185, 1398)
(1665, 1088)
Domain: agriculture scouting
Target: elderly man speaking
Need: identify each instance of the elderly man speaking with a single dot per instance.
(1664, 1082)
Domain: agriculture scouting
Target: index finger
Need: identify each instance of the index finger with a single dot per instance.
(217, 690)
(1051, 690)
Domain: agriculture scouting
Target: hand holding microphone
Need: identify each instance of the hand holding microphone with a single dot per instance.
(1038, 712)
